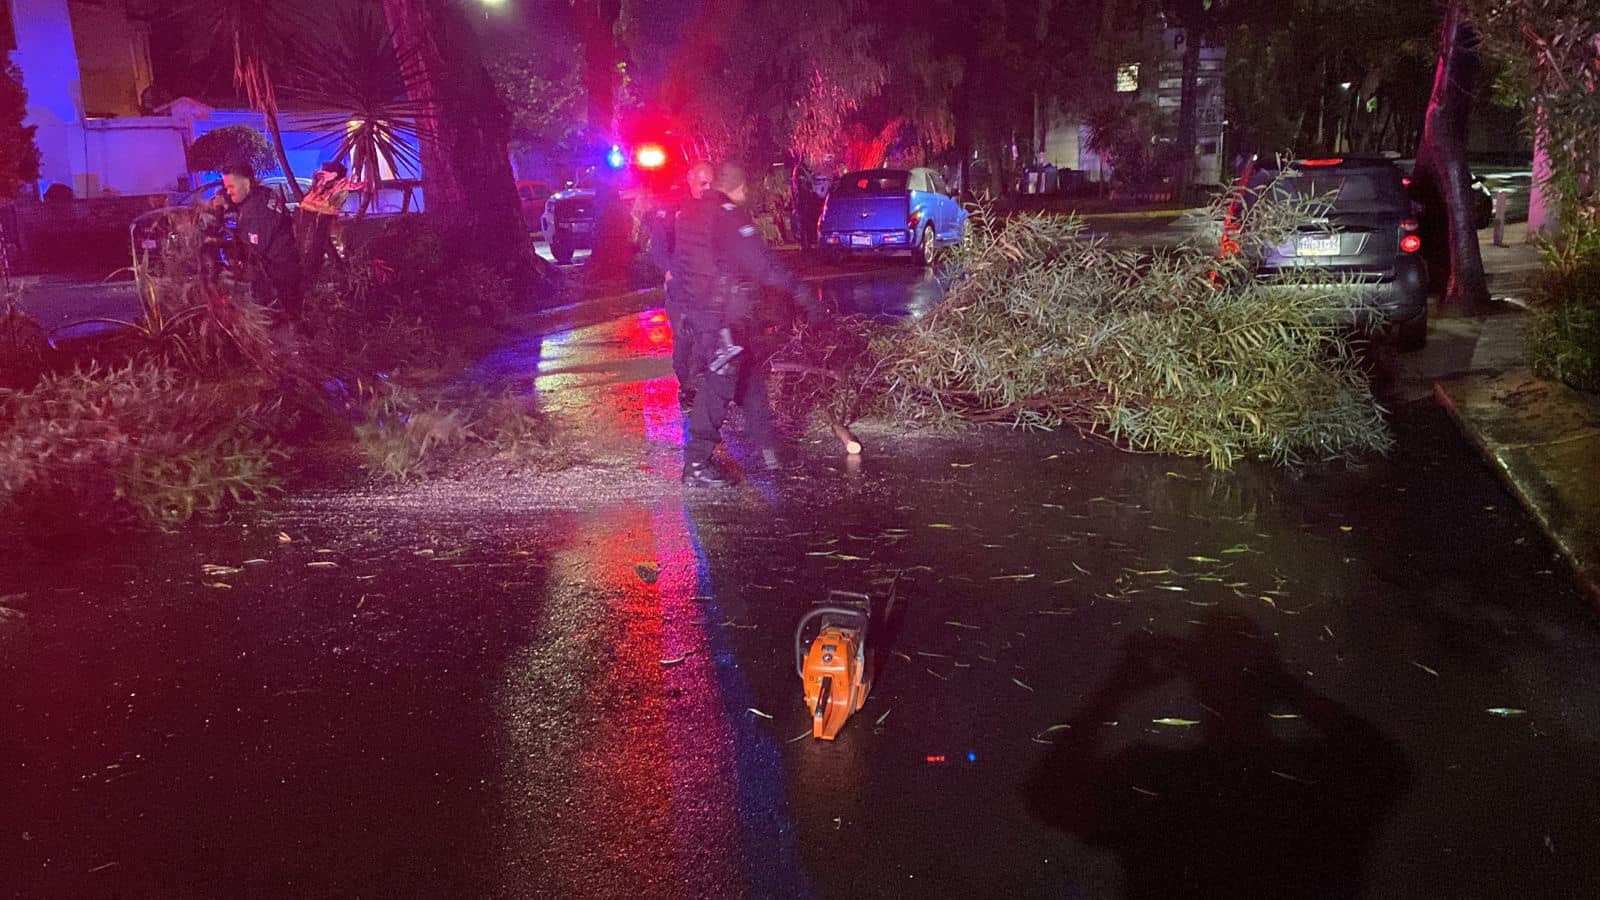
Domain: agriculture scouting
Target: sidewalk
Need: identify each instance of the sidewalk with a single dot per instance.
(1542, 437)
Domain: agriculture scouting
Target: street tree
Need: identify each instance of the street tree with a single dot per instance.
(598, 23)
(544, 96)
(462, 129)
(1441, 171)
(1318, 76)
(1551, 53)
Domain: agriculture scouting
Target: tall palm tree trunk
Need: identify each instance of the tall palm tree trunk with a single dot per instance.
(466, 168)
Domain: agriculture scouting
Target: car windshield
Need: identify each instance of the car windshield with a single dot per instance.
(887, 181)
(1353, 192)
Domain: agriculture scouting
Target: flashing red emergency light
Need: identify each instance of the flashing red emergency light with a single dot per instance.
(1334, 161)
(650, 156)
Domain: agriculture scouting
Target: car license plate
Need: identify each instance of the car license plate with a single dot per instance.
(147, 244)
(1320, 245)
(580, 227)
(861, 240)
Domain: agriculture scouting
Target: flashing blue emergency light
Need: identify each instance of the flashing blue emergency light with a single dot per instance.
(615, 159)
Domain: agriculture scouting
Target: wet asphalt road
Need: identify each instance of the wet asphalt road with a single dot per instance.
(581, 684)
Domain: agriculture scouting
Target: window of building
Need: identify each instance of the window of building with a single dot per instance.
(1127, 78)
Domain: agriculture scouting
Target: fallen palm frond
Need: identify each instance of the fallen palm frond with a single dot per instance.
(1183, 351)
(142, 438)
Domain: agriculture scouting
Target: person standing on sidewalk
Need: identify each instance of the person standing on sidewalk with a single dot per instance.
(723, 263)
(663, 249)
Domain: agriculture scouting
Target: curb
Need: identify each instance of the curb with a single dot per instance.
(1544, 443)
(1143, 214)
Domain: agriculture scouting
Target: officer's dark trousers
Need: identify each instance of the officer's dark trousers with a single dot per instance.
(744, 382)
(682, 343)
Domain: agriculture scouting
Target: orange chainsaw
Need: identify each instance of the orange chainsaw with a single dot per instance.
(834, 671)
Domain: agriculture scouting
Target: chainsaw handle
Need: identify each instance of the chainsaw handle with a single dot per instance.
(799, 630)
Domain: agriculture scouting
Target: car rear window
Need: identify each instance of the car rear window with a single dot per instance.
(574, 207)
(888, 181)
(1354, 192)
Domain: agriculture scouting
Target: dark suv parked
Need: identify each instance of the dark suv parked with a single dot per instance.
(1368, 235)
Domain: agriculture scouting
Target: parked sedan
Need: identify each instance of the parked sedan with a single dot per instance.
(892, 211)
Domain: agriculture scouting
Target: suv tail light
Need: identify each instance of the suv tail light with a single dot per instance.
(1409, 242)
(1322, 162)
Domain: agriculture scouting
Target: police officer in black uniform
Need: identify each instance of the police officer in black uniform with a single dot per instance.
(265, 238)
(663, 239)
(723, 263)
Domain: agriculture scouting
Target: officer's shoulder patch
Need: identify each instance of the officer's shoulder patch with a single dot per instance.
(729, 206)
(747, 230)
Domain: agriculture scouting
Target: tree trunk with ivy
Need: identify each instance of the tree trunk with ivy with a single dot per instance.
(1442, 162)
(466, 168)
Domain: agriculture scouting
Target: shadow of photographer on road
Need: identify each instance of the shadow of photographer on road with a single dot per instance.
(1276, 790)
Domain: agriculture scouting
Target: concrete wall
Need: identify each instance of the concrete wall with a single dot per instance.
(135, 156)
(48, 57)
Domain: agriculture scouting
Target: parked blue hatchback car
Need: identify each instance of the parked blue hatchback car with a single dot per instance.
(892, 211)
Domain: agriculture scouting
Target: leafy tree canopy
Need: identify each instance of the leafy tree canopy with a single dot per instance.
(231, 145)
(19, 155)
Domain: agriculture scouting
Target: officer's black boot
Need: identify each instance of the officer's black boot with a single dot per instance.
(705, 474)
